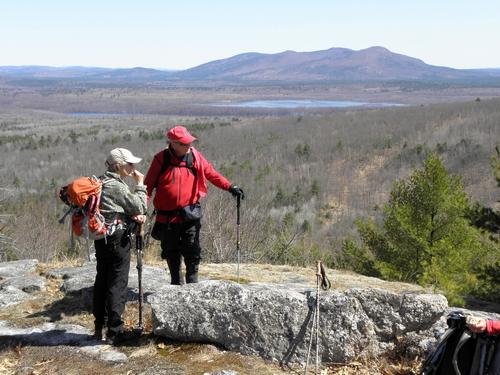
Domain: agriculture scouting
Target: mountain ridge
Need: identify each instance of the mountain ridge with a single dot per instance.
(339, 64)
(334, 64)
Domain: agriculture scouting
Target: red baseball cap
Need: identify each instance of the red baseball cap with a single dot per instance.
(181, 134)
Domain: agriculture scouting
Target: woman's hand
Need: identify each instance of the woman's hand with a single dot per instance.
(476, 324)
(138, 177)
(139, 218)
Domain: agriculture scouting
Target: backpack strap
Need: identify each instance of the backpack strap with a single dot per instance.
(492, 362)
(466, 335)
(190, 163)
(435, 358)
(167, 163)
(71, 210)
(94, 201)
(480, 362)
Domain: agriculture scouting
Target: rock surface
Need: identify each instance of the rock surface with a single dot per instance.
(17, 280)
(52, 334)
(18, 268)
(10, 295)
(28, 284)
(275, 322)
(80, 280)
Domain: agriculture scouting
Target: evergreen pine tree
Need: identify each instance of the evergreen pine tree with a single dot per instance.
(425, 237)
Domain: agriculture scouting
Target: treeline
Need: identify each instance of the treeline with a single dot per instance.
(307, 177)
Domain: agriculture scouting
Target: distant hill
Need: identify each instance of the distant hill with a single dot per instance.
(38, 71)
(331, 65)
(334, 64)
(84, 73)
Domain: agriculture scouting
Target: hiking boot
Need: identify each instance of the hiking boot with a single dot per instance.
(192, 273)
(120, 338)
(174, 266)
(97, 333)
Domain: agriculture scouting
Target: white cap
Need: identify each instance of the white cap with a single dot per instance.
(121, 156)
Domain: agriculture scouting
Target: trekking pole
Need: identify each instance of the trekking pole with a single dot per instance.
(71, 244)
(310, 341)
(138, 246)
(148, 230)
(86, 234)
(238, 200)
(318, 283)
(323, 282)
(87, 242)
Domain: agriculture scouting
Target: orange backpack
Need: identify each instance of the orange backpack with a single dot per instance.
(83, 196)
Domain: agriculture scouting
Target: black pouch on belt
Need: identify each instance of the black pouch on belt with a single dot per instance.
(156, 230)
(191, 212)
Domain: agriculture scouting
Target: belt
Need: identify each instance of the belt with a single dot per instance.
(169, 213)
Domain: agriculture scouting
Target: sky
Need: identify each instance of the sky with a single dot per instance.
(183, 34)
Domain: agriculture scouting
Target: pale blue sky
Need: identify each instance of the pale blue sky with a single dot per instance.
(182, 34)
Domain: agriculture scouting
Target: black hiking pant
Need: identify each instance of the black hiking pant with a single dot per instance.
(181, 240)
(110, 287)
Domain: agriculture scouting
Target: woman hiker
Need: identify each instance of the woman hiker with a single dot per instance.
(120, 208)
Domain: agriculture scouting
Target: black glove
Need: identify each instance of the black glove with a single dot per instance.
(237, 192)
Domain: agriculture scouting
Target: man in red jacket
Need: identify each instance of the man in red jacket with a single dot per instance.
(179, 173)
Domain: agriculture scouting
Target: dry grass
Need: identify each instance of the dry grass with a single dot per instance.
(208, 358)
(55, 265)
(8, 365)
(381, 366)
(276, 274)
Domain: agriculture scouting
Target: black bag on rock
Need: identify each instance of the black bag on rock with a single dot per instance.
(461, 352)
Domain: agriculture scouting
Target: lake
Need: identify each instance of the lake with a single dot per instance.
(100, 114)
(303, 104)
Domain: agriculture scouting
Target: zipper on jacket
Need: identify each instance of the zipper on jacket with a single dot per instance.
(178, 187)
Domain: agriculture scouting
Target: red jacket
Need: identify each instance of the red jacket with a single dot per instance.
(178, 187)
(492, 327)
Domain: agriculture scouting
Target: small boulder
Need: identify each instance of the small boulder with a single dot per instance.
(275, 322)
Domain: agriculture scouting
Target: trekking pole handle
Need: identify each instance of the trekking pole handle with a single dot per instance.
(139, 237)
